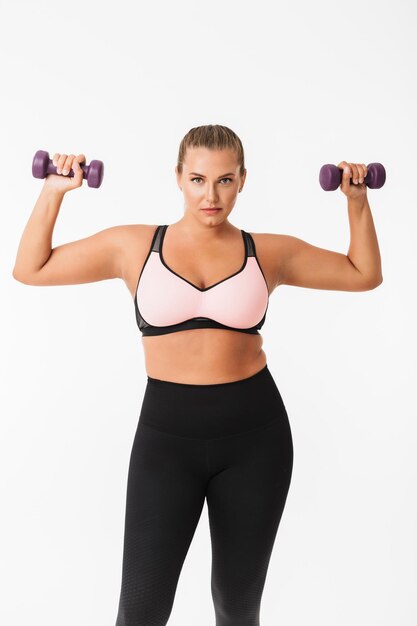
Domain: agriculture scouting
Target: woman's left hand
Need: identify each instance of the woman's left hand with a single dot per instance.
(356, 172)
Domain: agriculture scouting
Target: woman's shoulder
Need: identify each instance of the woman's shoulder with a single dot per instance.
(136, 230)
(134, 235)
(268, 243)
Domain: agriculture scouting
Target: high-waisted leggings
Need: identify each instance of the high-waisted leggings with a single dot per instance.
(230, 443)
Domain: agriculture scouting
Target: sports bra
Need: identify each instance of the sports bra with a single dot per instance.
(165, 302)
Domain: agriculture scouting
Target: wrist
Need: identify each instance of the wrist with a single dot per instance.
(358, 203)
(52, 192)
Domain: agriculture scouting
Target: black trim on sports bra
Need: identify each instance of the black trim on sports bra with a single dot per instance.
(161, 256)
(195, 322)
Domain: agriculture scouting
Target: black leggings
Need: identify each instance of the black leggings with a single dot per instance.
(230, 443)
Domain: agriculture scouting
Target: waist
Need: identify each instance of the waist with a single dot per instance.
(212, 410)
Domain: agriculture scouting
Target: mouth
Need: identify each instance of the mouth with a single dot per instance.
(213, 210)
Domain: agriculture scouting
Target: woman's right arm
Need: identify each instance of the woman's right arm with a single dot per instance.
(91, 259)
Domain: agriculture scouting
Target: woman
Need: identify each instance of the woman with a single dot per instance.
(212, 423)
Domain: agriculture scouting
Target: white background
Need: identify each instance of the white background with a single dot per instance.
(302, 84)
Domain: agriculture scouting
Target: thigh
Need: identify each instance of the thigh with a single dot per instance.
(165, 497)
(246, 499)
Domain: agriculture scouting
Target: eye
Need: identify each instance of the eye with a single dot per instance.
(199, 178)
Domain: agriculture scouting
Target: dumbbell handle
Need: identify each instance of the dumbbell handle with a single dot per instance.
(52, 169)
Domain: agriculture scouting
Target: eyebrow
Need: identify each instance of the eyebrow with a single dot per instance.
(202, 175)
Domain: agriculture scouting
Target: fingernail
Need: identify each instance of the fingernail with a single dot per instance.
(346, 170)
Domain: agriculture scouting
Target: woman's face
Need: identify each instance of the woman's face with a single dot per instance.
(210, 179)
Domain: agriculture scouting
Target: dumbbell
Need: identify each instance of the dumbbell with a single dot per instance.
(42, 166)
(331, 176)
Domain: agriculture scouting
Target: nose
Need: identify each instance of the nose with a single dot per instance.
(211, 194)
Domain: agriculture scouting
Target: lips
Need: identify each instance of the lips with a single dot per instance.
(212, 209)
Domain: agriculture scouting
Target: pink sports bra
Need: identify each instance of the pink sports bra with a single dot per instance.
(165, 302)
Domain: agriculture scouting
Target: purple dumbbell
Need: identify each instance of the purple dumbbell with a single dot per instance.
(42, 166)
(331, 176)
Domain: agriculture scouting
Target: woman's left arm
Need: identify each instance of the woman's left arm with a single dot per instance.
(304, 265)
(363, 249)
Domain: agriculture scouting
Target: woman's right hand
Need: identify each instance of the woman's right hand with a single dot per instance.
(62, 182)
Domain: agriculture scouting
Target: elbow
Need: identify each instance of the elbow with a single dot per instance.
(373, 284)
(20, 277)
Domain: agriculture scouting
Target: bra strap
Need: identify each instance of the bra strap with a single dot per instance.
(250, 243)
(157, 239)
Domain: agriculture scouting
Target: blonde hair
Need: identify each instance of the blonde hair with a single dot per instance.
(212, 136)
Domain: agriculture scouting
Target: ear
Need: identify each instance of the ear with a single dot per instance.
(243, 180)
(178, 176)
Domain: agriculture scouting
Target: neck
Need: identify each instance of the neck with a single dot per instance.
(204, 230)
